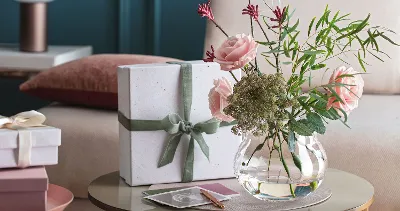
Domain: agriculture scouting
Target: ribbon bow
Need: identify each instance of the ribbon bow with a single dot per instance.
(19, 122)
(177, 126)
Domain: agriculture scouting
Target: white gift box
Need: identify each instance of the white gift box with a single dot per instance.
(151, 92)
(40, 147)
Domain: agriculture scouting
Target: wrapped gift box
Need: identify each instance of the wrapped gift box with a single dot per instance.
(23, 189)
(151, 92)
(43, 147)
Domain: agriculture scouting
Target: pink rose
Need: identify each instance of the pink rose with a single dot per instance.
(218, 99)
(236, 52)
(349, 94)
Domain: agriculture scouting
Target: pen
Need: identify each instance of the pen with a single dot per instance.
(212, 199)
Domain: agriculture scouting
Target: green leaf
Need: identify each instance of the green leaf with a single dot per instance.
(314, 185)
(317, 97)
(292, 141)
(318, 66)
(294, 52)
(361, 44)
(309, 52)
(335, 17)
(375, 56)
(311, 25)
(360, 27)
(259, 147)
(320, 108)
(334, 93)
(293, 28)
(319, 23)
(312, 60)
(388, 39)
(293, 39)
(320, 35)
(304, 58)
(286, 63)
(273, 65)
(301, 127)
(371, 36)
(283, 34)
(343, 17)
(344, 114)
(275, 50)
(329, 47)
(384, 53)
(361, 62)
(286, 13)
(286, 50)
(326, 16)
(316, 122)
(304, 67)
(344, 61)
(296, 161)
(266, 43)
(291, 14)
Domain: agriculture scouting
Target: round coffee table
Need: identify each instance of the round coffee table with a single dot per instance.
(349, 192)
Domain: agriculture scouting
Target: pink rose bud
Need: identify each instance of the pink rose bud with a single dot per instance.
(236, 52)
(349, 94)
(218, 99)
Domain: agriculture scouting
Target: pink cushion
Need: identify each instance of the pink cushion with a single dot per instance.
(91, 81)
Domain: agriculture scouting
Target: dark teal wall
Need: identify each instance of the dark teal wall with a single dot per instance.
(154, 27)
(160, 27)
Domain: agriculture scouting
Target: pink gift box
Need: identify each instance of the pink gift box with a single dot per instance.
(23, 189)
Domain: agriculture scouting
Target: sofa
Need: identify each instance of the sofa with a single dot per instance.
(370, 149)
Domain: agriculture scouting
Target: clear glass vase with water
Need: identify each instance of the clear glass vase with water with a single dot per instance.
(269, 168)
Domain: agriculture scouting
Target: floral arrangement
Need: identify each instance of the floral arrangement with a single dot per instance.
(276, 107)
(264, 103)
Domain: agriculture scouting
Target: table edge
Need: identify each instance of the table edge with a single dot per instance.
(366, 205)
(102, 205)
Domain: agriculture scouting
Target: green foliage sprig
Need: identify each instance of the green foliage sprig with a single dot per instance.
(331, 36)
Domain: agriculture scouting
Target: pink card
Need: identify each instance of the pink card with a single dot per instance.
(218, 188)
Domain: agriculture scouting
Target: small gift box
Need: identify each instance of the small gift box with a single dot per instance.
(167, 133)
(23, 189)
(26, 142)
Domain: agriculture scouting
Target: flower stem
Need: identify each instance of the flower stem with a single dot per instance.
(276, 55)
(285, 166)
(233, 75)
(220, 28)
(279, 47)
(252, 154)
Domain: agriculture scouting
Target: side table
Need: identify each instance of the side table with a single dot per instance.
(349, 192)
(14, 63)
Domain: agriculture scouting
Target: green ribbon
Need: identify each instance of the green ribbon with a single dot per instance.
(177, 126)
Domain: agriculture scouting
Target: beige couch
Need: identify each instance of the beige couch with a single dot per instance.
(371, 149)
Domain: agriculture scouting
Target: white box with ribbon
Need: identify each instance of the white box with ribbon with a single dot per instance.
(167, 133)
(25, 142)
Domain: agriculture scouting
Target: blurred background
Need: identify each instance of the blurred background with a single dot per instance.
(153, 27)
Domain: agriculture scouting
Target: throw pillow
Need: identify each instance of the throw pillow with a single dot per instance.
(90, 81)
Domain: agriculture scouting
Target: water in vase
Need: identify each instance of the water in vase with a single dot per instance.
(280, 174)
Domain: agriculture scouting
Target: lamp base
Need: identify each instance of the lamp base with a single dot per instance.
(33, 26)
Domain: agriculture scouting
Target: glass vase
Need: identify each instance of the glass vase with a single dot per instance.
(270, 168)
